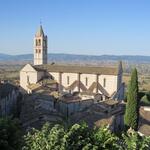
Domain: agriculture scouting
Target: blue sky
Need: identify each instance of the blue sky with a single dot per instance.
(92, 27)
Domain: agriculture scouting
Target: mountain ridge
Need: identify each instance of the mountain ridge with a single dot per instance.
(77, 57)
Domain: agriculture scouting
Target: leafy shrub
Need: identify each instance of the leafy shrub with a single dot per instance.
(145, 100)
(10, 134)
(81, 137)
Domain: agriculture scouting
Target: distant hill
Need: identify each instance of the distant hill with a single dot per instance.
(78, 58)
(142, 63)
(6, 57)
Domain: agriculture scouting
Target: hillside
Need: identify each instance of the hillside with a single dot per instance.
(78, 58)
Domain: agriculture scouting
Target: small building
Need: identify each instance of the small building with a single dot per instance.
(107, 113)
(70, 104)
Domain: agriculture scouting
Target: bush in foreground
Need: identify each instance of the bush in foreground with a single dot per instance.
(81, 137)
(10, 134)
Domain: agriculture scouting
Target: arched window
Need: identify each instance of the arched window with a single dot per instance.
(36, 42)
(39, 51)
(104, 82)
(86, 81)
(39, 42)
(68, 80)
(27, 79)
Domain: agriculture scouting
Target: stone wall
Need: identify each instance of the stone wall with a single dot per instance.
(70, 108)
(8, 104)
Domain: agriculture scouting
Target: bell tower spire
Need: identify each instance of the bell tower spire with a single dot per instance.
(40, 47)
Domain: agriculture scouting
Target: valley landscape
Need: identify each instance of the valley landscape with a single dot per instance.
(10, 65)
(75, 75)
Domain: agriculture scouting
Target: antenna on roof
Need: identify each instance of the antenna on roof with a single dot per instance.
(40, 22)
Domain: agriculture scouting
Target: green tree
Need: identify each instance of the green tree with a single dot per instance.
(48, 138)
(145, 144)
(78, 137)
(133, 141)
(81, 137)
(10, 134)
(131, 113)
(104, 139)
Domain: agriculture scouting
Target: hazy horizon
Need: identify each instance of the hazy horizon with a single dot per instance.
(78, 54)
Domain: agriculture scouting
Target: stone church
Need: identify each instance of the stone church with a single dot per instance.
(105, 81)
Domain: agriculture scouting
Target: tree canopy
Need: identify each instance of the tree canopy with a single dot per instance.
(81, 137)
(10, 134)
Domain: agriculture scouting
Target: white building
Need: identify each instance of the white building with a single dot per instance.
(84, 79)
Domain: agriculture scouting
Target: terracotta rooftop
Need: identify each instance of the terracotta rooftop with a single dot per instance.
(38, 68)
(144, 122)
(96, 115)
(111, 102)
(33, 86)
(70, 99)
(78, 69)
(40, 31)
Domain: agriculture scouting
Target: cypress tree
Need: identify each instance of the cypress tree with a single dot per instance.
(131, 113)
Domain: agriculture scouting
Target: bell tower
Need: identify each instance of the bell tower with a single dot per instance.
(40, 47)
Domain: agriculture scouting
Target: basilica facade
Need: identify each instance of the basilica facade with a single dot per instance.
(105, 81)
